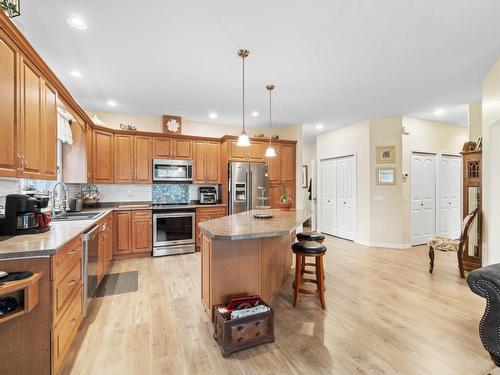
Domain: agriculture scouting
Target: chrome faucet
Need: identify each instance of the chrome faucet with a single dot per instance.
(63, 202)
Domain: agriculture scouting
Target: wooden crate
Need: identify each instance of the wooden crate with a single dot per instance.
(238, 334)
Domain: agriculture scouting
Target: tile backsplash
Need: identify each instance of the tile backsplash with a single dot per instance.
(109, 192)
(170, 193)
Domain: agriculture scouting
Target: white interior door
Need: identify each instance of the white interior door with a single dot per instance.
(450, 186)
(329, 197)
(345, 197)
(423, 197)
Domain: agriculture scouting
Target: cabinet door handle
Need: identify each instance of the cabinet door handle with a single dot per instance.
(71, 252)
(72, 322)
(71, 283)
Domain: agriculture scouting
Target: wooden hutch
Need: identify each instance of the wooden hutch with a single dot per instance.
(472, 198)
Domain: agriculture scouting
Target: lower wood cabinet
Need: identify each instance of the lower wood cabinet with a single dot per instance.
(67, 299)
(205, 214)
(133, 232)
(275, 194)
(104, 246)
(142, 231)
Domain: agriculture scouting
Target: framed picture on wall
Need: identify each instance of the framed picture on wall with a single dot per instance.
(386, 176)
(304, 176)
(386, 154)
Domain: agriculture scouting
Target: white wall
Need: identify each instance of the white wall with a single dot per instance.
(386, 226)
(383, 211)
(491, 171)
(426, 136)
(350, 140)
(308, 154)
(475, 120)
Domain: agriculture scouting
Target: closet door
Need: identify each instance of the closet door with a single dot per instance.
(423, 197)
(329, 197)
(345, 197)
(450, 183)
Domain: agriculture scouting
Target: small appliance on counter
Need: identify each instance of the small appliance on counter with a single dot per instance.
(208, 195)
(75, 204)
(24, 215)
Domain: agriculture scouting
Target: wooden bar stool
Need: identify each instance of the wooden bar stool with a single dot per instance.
(309, 236)
(302, 250)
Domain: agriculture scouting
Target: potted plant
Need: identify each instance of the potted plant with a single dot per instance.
(285, 202)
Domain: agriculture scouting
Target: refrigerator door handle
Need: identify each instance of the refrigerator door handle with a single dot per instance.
(249, 188)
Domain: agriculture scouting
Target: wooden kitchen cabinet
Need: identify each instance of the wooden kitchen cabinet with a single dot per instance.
(142, 227)
(133, 232)
(102, 157)
(9, 105)
(204, 214)
(143, 148)
(172, 148)
(275, 194)
(206, 162)
(288, 163)
(49, 132)
(255, 153)
(104, 246)
(205, 244)
(123, 158)
(30, 145)
(132, 159)
(282, 166)
(122, 229)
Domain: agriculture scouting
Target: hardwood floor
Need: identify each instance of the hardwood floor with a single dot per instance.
(385, 315)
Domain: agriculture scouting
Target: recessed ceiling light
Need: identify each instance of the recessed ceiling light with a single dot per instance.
(77, 23)
(76, 74)
(255, 114)
(212, 115)
(319, 126)
(111, 103)
(439, 111)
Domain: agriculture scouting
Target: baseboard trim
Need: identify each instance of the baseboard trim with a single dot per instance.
(399, 246)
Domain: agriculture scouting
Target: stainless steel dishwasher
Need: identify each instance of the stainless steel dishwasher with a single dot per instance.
(89, 266)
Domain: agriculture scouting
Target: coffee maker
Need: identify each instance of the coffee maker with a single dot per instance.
(23, 215)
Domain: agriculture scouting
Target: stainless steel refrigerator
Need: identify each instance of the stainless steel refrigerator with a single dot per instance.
(246, 181)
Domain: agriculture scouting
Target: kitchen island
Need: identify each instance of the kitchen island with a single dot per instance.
(242, 255)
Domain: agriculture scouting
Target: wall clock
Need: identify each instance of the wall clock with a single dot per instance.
(172, 124)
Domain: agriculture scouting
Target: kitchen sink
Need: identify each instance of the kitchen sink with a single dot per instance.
(71, 216)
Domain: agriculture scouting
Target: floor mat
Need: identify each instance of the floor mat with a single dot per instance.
(118, 283)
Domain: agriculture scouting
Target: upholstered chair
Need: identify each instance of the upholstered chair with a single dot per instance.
(447, 244)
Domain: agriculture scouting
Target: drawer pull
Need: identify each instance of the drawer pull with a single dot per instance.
(71, 252)
(240, 339)
(72, 322)
(71, 283)
(257, 324)
(257, 334)
(240, 328)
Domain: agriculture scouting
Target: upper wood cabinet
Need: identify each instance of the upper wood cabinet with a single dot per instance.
(282, 166)
(254, 153)
(102, 157)
(132, 156)
(9, 88)
(172, 148)
(49, 129)
(124, 158)
(206, 162)
(143, 166)
(30, 142)
(28, 117)
(288, 163)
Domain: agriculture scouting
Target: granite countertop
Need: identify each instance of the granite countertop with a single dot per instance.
(46, 244)
(245, 226)
(61, 232)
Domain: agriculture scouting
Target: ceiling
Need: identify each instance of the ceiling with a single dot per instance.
(333, 62)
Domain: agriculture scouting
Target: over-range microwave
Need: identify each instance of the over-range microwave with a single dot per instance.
(172, 170)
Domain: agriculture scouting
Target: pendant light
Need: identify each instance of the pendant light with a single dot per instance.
(270, 151)
(243, 140)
